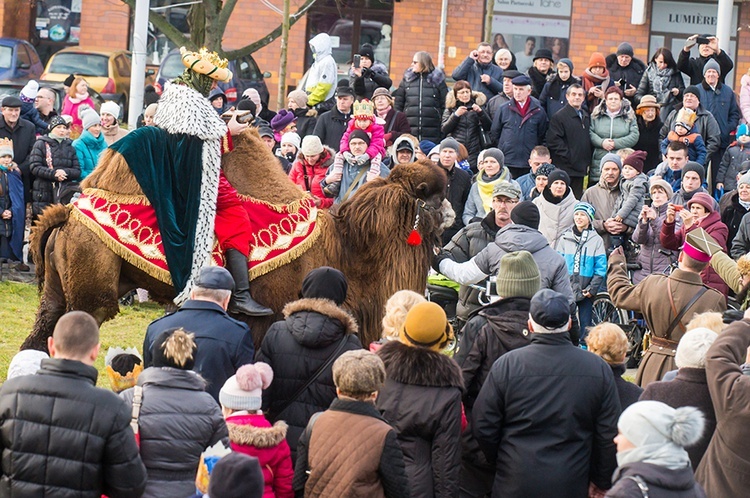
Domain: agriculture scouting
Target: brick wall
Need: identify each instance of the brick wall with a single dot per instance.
(105, 24)
(15, 18)
(742, 60)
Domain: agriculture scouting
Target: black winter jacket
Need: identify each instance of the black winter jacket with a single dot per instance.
(63, 157)
(693, 66)
(23, 136)
(626, 391)
(539, 79)
(553, 96)
(331, 126)
(569, 141)
(177, 421)
(466, 128)
(459, 185)
(648, 141)
(421, 399)
(543, 404)
(631, 74)
(373, 77)
(295, 348)
(421, 96)
(306, 120)
(62, 436)
(660, 481)
(731, 214)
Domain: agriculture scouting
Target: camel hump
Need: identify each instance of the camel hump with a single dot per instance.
(113, 174)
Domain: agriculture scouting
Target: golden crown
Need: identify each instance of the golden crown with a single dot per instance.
(206, 62)
(363, 109)
(6, 142)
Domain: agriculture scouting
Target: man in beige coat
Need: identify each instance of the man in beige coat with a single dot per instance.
(661, 298)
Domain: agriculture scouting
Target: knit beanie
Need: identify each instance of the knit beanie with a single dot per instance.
(282, 119)
(6, 147)
(358, 372)
(664, 185)
(636, 160)
(69, 80)
(325, 283)
(556, 175)
(704, 200)
(247, 105)
(110, 108)
(89, 118)
(367, 50)
(544, 170)
(655, 423)
(693, 346)
(518, 275)
(567, 62)
(586, 208)
(610, 157)
(742, 130)
(743, 179)
(174, 348)
(361, 134)
(252, 94)
(426, 326)
(693, 90)
(496, 154)
(526, 213)
(243, 390)
(426, 146)
(693, 166)
(625, 48)
(311, 145)
(449, 143)
(28, 92)
(299, 97)
(26, 362)
(597, 60)
(236, 475)
(290, 137)
(711, 64)
(54, 122)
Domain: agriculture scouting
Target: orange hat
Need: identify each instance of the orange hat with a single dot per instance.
(597, 60)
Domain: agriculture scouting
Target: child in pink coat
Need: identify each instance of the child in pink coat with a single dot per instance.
(251, 433)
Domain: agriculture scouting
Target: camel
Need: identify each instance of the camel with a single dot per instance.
(366, 238)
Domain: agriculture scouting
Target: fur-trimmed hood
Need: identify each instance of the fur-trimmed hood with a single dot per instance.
(241, 431)
(316, 323)
(626, 111)
(478, 97)
(420, 366)
(184, 110)
(436, 77)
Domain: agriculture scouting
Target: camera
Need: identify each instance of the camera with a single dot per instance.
(357, 58)
(702, 40)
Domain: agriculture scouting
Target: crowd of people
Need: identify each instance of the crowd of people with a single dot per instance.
(624, 180)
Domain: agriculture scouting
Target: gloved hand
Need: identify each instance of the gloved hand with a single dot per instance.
(349, 157)
(690, 43)
(362, 159)
(440, 256)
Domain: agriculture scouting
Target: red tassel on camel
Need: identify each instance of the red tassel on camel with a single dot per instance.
(414, 238)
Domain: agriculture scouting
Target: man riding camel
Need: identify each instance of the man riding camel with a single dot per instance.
(177, 163)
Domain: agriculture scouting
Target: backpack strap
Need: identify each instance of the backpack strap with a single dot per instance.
(640, 483)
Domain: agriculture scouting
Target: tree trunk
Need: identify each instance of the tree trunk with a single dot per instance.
(489, 7)
(196, 20)
(280, 104)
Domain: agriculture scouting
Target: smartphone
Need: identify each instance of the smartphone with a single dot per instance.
(678, 207)
(357, 58)
(702, 40)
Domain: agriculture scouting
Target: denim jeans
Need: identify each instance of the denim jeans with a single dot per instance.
(585, 308)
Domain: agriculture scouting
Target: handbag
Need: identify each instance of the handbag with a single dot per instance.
(484, 138)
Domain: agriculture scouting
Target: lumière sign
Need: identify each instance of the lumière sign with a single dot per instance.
(688, 18)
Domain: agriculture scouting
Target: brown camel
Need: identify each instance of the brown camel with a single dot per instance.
(365, 238)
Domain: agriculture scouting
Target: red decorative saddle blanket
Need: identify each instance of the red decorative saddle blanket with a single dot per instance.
(127, 225)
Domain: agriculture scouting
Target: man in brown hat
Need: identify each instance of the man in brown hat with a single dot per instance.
(687, 295)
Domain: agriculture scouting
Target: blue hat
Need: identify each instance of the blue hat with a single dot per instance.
(215, 277)
(742, 130)
(586, 208)
(521, 80)
(549, 309)
(426, 146)
(567, 62)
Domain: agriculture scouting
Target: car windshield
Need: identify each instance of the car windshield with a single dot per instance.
(172, 67)
(6, 57)
(83, 64)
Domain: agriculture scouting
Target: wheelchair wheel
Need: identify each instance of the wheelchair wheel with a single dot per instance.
(604, 310)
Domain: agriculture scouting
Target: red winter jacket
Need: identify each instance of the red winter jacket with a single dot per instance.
(316, 173)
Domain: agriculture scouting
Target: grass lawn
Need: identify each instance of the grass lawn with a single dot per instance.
(18, 305)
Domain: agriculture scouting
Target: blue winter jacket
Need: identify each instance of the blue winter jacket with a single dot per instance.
(592, 266)
(517, 135)
(88, 149)
(472, 71)
(722, 104)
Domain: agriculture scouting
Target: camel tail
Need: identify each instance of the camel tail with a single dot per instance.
(53, 217)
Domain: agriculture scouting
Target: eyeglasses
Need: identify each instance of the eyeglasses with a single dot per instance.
(505, 200)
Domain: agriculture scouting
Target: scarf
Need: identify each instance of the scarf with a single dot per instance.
(486, 185)
(660, 79)
(80, 97)
(4, 168)
(666, 454)
(524, 109)
(547, 194)
(744, 204)
(382, 114)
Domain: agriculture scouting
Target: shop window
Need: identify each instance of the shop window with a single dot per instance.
(58, 21)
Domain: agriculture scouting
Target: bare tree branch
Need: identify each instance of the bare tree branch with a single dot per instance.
(161, 23)
(224, 14)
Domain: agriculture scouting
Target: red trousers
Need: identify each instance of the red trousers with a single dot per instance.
(232, 225)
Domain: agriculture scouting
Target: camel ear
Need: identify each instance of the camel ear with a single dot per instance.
(422, 190)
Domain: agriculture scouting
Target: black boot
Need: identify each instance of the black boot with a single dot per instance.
(242, 301)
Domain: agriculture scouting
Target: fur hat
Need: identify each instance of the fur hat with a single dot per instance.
(325, 283)
(610, 157)
(243, 390)
(625, 48)
(426, 326)
(28, 92)
(110, 108)
(695, 167)
(703, 199)
(360, 134)
(6, 147)
(496, 154)
(299, 97)
(174, 348)
(311, 145)
(686, 118)
(449, 143)
(544, 170)
(358, 373)
(549, 311)
(586, 208)
(526, 213)
(597, 60)
(518, 275)
(282, 119)
(236, 475)
(366, 50)
(664, 185)
(636, 160)
(26, 362)
(693, 346)
(290, 137)
(654, 423)
(711, 64)
(90, 118)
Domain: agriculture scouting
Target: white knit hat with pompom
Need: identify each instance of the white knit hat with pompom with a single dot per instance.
(243, 391)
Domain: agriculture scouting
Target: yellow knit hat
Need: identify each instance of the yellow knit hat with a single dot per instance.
(426, 326)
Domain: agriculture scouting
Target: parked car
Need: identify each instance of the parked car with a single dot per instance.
(19, 60)
(14, 88)
(106, 72)
(245, 74)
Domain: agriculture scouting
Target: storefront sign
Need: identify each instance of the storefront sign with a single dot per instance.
(536, 7)
(687, 18)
